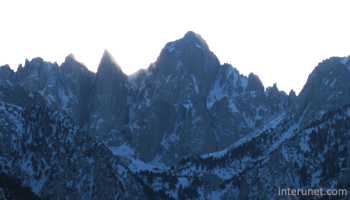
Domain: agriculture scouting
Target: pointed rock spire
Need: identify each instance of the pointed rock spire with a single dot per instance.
(108, 101)
(291, 97)
(74, 58)
(6, 72)
(76, 88)
(108, 61)
(254, 83)
(72, 61)
(195, 39)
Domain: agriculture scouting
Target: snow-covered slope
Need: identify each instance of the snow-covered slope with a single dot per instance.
(53, 156)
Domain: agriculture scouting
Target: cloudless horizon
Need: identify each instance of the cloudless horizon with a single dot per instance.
(281, 42)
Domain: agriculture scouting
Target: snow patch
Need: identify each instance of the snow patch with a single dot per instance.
(170, 49)
(195, 83)
(182, 181)
(136, 164)
(216, 92)
(332, 84)
(244, 82)
(124, 150)
(42, 91)
(199, 46)
(217, 154)
(303, 145)
(210, 104)
(302, 117)
(188, 105)
(233, 107)
(38, 185)
(9, 82)
(344, 60)
(156, 162)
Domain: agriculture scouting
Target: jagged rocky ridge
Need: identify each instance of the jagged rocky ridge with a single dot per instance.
(196, 129)
(184, 104)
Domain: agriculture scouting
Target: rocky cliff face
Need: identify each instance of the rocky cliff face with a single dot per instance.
(152, 127)
(75, 88)
(67, 87)
(12, 93)
(184, 70)
(108, 109)
(7, 73)
(327, 87)
(188, 74)
(42, 77)
(198, 135)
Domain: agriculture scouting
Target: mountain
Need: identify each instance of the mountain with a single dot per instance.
(327, 88)
(108, 106)
(187, 127)
(75, 87)
(188, 75)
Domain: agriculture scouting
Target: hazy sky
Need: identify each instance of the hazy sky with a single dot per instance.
(279, 41)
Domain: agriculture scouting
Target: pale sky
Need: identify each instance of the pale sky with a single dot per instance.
(280, 41)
